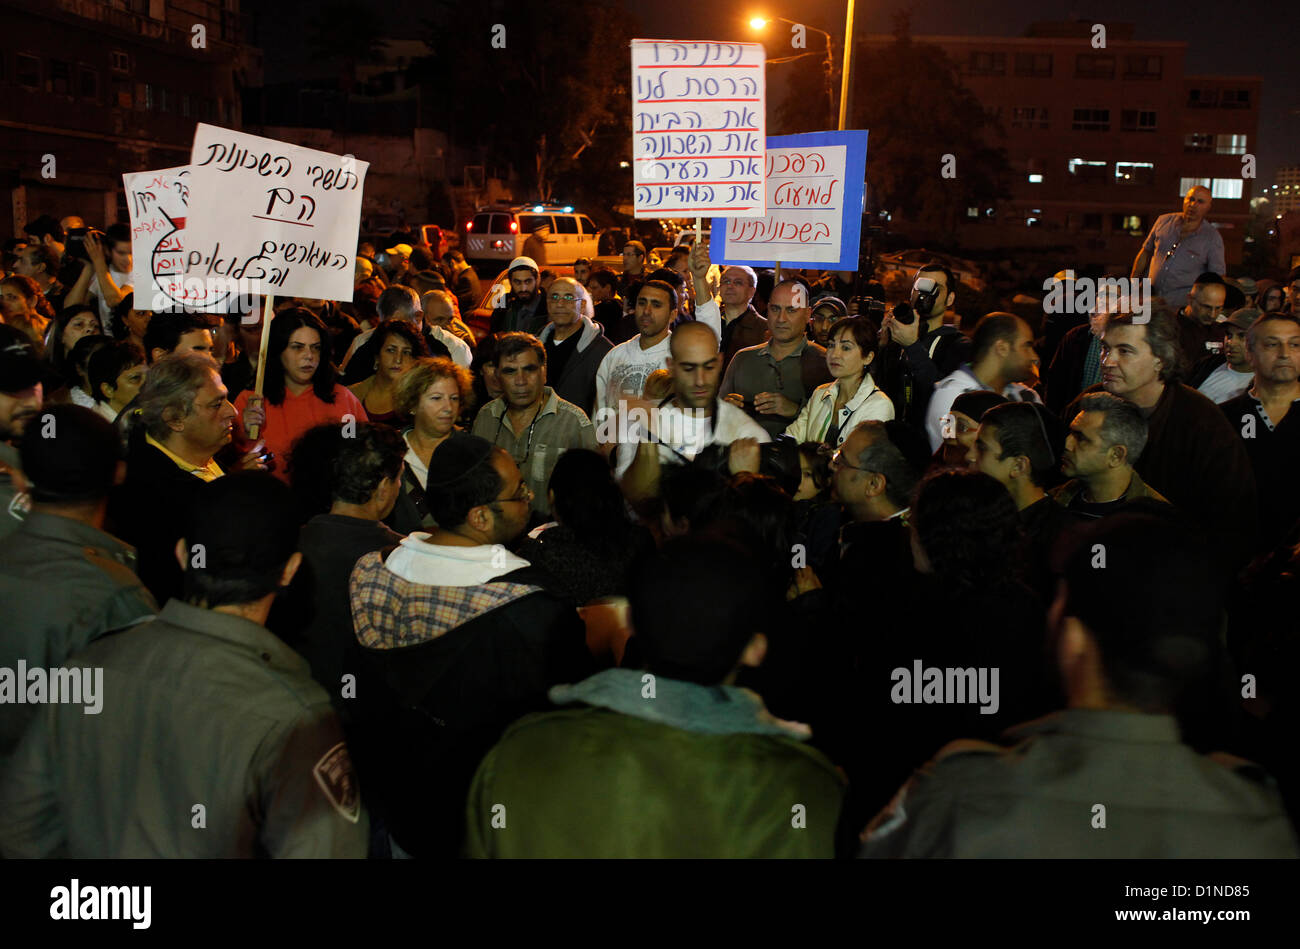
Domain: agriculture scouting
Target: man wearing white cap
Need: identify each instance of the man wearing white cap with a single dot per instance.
(524, 307)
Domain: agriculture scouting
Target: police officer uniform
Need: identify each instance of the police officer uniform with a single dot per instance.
(212, 741)
(1084, 783)
(63, 584)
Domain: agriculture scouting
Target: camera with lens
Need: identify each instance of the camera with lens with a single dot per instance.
(925, 292)
(76, 243)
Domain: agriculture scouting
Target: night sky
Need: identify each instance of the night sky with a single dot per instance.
(1254, 37)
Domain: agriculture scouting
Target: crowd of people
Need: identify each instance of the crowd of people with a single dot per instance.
(660, 562)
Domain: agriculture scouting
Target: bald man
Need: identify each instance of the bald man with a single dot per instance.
(693, 418)
(1181, 247)
(773, 380)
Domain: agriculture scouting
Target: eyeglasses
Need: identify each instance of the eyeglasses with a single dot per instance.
(524, 495)
(837, 461)
(567, 298)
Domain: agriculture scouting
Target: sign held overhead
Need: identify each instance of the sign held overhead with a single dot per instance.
(698, 129)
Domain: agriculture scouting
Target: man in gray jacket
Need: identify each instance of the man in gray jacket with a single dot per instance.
(1136, 626)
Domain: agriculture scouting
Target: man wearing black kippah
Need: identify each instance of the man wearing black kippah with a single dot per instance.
(459, 637)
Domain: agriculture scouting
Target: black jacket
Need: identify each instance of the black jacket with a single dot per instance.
(907, 375)
(148, 511)
(431, 703)
(1064, 378)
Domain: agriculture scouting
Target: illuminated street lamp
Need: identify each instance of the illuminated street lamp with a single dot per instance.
(758, 23)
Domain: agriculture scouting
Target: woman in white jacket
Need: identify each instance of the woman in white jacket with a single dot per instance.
(836, 408)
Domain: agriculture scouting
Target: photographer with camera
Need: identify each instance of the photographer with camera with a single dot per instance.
(106, 257)
(919, 349)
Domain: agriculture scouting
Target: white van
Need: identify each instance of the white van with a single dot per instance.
(497, 234)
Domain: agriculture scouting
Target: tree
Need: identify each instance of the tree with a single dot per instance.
(911, 98)
(345, 32)
(546, 101)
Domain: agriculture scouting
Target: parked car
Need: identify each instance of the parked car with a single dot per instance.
(497, 234)
(967, 271)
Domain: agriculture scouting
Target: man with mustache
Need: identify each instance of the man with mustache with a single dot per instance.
(1269, 424)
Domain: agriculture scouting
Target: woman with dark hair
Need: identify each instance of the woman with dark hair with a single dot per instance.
(24, 307)
(814, 517)
(835, 409)
(398, 346)
(592, 542)
(299, 391)
(1271, 299)
(128, 323)
(78, 363)
(487, 384)
(73, 323)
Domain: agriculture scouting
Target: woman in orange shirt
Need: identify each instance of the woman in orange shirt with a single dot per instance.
(298, 392)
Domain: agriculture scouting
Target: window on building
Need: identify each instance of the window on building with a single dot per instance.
(1227, 188)
(166, 100)
(1138, 120)
(987, 64)
(1094, 66)
(60, 77)
(1198, 142)
(143, 97)
(1186, 184)
(1029, 117)
(121, 61)
(185, 104)
(1035, 179)
(27, 71)
(1142, 66)
(1135, 173)
(88, 83)
(1202, 98)
(1084, 170)
(972, 212)
(1034, 64)
(1091, 120)
(122, 95)
(1234, 99)
(1090, 222)
(1127, 222)
(1230, 144)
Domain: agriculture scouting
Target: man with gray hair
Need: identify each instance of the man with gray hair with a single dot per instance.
(736, 322)
(1105, 440)
(182, 418)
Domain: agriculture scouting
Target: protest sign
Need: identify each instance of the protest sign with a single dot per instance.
(814, 187)
(698, 128)
(158, 205)
(276, 218)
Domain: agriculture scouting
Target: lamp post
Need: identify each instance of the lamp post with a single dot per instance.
(757, 23)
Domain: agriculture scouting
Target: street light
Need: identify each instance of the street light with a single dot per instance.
(758, 23)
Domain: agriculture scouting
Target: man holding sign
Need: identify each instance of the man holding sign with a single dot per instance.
(736, 322)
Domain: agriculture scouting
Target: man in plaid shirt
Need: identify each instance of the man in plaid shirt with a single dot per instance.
(459, 638)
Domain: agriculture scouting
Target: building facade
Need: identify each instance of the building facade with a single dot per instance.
(1102, 141)
(90, 89)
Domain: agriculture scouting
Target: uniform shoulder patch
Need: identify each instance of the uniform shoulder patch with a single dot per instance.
(338, 781)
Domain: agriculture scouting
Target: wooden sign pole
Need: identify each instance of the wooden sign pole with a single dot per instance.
(267, 307)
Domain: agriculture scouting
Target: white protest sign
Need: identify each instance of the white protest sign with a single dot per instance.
(814, 186)
(698, 129)
(278, 218)
(158, 203)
